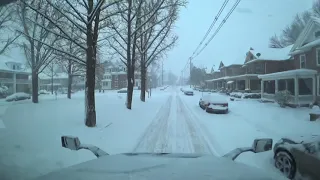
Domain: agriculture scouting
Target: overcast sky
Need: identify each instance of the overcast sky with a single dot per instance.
(250, 25)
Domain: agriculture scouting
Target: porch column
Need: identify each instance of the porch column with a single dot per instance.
(14, 83)
(276, 83)
(296, 90)
(286, 84)
(262, 87)
(314, 93)
(236, 81)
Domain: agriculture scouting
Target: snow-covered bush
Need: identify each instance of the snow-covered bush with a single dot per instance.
(283, 97)
(3, 91)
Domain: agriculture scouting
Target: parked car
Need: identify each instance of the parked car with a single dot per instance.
(214, 104)
(298, 155)
(188, 91)
(123, 90)
(43, 92)
(18, 97)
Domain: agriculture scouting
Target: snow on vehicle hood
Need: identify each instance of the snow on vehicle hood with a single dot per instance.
(210, 98)
(160, 167)
(303, 138)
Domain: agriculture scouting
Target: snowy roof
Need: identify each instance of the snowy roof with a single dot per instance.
(271, 54)
(4, 65)
(288, 74)
(55, 76)
(312, 23)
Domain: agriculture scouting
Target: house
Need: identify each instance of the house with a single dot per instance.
(115, 77)
(302, 80)
(14, 75)
(59, 80)
(245, 77)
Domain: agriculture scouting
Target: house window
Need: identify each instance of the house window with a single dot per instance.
(302, 61)
(13, 67)
(317, 34)
(318, 56)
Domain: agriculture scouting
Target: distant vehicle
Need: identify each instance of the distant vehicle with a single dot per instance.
(123, 90)
(214, 104)
(298, 155)
(18, 97)
(161, 165)
(188, 91)
(43, 92)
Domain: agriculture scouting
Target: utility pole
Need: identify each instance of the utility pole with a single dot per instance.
(190, 70)
(162, 75)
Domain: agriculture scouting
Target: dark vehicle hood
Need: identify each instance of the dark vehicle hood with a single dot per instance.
(160, 167)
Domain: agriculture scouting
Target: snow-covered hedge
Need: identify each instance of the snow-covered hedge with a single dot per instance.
(246, 95)
(3, 91)
(283, 97)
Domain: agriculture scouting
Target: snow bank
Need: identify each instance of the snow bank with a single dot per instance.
(32, 136)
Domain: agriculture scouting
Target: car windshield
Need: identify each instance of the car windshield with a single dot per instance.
(160, 76)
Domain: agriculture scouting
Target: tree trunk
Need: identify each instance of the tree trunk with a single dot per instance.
(69, 78)
(90, 119)
(129, 88)
(52, 83)
(69, 85)
(35, 98)
(143, 83)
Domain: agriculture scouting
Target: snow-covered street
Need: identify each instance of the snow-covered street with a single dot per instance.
(168, 122)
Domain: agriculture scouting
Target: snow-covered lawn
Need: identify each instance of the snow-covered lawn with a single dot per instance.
(30, 144)
(250, 119)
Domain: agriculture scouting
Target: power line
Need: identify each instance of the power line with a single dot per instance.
(209, 30)
(211, 26)
(220, 26)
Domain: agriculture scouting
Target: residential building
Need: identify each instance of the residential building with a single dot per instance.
(303, 79)
(245, 77)
(14, 75)
(115, 77)
(60, 81)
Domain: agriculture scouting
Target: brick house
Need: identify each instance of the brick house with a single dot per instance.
(301, 77)
(245, 77)
(115, 77)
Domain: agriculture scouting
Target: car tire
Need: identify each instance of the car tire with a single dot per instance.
(284, 162)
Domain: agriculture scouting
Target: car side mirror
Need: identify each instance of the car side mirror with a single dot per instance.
(262, 145)
(70, 142)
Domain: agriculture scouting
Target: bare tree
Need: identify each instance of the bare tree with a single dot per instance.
(291, 32)
(51, 71)
(38, 56)
(275, 42)
(89, 17)
(128, 29)
(157, 39)
(6, 17)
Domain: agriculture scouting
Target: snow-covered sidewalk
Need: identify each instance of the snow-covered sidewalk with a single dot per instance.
(30, 144)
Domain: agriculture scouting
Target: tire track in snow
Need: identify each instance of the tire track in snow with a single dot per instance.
(198, 139)
(155, 137)
(214, 146)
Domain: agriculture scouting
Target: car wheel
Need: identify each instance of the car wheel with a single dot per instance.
(285, 163)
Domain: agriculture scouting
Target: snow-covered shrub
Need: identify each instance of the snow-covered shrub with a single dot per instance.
(3, 91)
(283, 97)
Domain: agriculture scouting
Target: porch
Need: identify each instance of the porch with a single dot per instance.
(240, 83)
(301, 83)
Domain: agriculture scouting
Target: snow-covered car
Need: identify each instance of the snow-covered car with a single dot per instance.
(123, 90)
(137, 166)
(214, 103)
(298, 156)
(18, 96)
(188, 91)
(43, 92)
